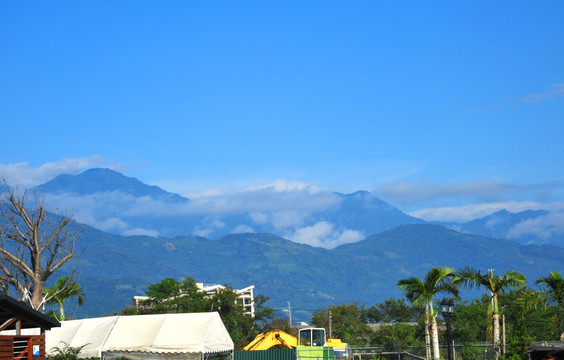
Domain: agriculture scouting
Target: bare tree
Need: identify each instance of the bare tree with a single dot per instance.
(33, 243)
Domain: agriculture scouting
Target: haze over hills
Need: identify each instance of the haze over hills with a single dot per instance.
(374, 244)
(110, 201)
(115, 268)
(525, 227)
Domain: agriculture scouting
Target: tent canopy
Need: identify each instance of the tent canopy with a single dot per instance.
(197, 333)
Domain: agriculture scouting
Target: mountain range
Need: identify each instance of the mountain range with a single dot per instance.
(110, 201)
(114, 267)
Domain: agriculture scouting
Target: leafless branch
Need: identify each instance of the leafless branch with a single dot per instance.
(35, 243)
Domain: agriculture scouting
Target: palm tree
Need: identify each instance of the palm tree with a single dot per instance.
(495, 284)
(555, 289)
(61, 291)
(421, 293)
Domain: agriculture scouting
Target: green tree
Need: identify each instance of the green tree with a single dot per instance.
(346, 323)
(469, 325)
(422, 292)
(241, 327)
(263, 313)
(398, 333)
(554, 288)
(391, 310)
(280, 324)
(62, 290)
(524, 314)
(172, 296)
(495, 284)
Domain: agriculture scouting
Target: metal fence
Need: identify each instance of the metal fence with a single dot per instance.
(404, 352)
(398, 352)
(272, 354)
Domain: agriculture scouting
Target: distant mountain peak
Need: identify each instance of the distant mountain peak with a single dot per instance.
(97, 180)
(515, 217)
(502, 225)
(360, 193)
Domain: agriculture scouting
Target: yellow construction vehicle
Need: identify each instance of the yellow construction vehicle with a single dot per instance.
(277, 339)
(311, 344)
(341, 350)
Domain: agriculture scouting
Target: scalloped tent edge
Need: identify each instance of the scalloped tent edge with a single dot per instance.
(170, 336)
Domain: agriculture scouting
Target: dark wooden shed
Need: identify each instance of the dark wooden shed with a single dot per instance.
(16, 316)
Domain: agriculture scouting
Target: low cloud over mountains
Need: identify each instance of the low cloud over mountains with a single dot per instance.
(112, 202)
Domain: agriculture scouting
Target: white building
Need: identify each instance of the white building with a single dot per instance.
(246, 296)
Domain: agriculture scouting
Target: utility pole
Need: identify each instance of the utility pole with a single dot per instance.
(503, 329)
(330, 325)
(290, 313)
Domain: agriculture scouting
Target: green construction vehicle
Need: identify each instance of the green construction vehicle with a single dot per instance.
(312, 344)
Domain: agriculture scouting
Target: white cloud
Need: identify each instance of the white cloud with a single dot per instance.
(259, 217)
(285, 185)
(112, 224)
(287, 206)
(218, 188)
(280, 210)
(349, 236)
(104, 211)
(22, 174)
(208, 227)
(470, 212)
(139, 231)
(265, 200)
(554, 91)
(542, 227)
(422, 192)
(242, 229)
(288, 218)
(322, 234)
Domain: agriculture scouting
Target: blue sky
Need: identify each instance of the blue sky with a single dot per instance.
(446, 109)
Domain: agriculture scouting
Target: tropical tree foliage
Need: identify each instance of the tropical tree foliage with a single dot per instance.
(554, 288)
(64, 289)
(528, 316)
(527, 319)
(495, 284)
(421, 293)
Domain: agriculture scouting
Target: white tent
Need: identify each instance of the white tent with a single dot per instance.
(170, 336)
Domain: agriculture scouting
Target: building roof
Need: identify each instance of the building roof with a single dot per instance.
(11, 308)
(546, 350)
(546, 346)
